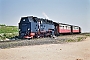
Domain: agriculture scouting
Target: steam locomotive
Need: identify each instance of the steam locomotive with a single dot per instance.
(34, 27)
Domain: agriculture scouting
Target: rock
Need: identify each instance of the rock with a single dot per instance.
(60, 49)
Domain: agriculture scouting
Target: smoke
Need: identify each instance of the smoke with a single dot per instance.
(45, 15)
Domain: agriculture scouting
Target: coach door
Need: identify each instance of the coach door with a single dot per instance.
(56, 29)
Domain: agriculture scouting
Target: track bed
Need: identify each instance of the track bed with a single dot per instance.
(40, 41)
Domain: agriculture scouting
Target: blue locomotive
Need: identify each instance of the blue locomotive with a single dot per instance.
(30, 27)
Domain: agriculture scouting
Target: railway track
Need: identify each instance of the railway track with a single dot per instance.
(16, 39)
(40, 41)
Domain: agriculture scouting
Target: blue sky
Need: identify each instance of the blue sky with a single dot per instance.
(75, 12)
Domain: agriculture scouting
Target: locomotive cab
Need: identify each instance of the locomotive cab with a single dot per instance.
(27, 27)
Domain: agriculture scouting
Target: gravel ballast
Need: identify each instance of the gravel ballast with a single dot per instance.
(40, 41)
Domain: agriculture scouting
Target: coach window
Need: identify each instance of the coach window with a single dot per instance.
(60, 26)
(66, 27)
(63, 27)
(77, 28)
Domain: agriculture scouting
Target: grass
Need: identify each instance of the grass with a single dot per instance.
(8, 31)
(80, 38)
(87, 34)
(70, 40)
(77, 39)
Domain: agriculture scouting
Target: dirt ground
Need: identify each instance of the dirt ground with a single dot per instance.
(67, 51)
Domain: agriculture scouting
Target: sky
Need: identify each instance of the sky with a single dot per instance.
(74, 12)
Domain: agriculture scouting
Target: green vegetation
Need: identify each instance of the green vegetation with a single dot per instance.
(87, 34)
(2, 25)
(70, 40)
(8, 31)
(77, 39)
(7, 35)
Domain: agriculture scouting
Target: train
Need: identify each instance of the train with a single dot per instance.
(34, 27)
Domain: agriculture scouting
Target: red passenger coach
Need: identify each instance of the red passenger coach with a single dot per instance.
(64, 28)
(76, 29)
